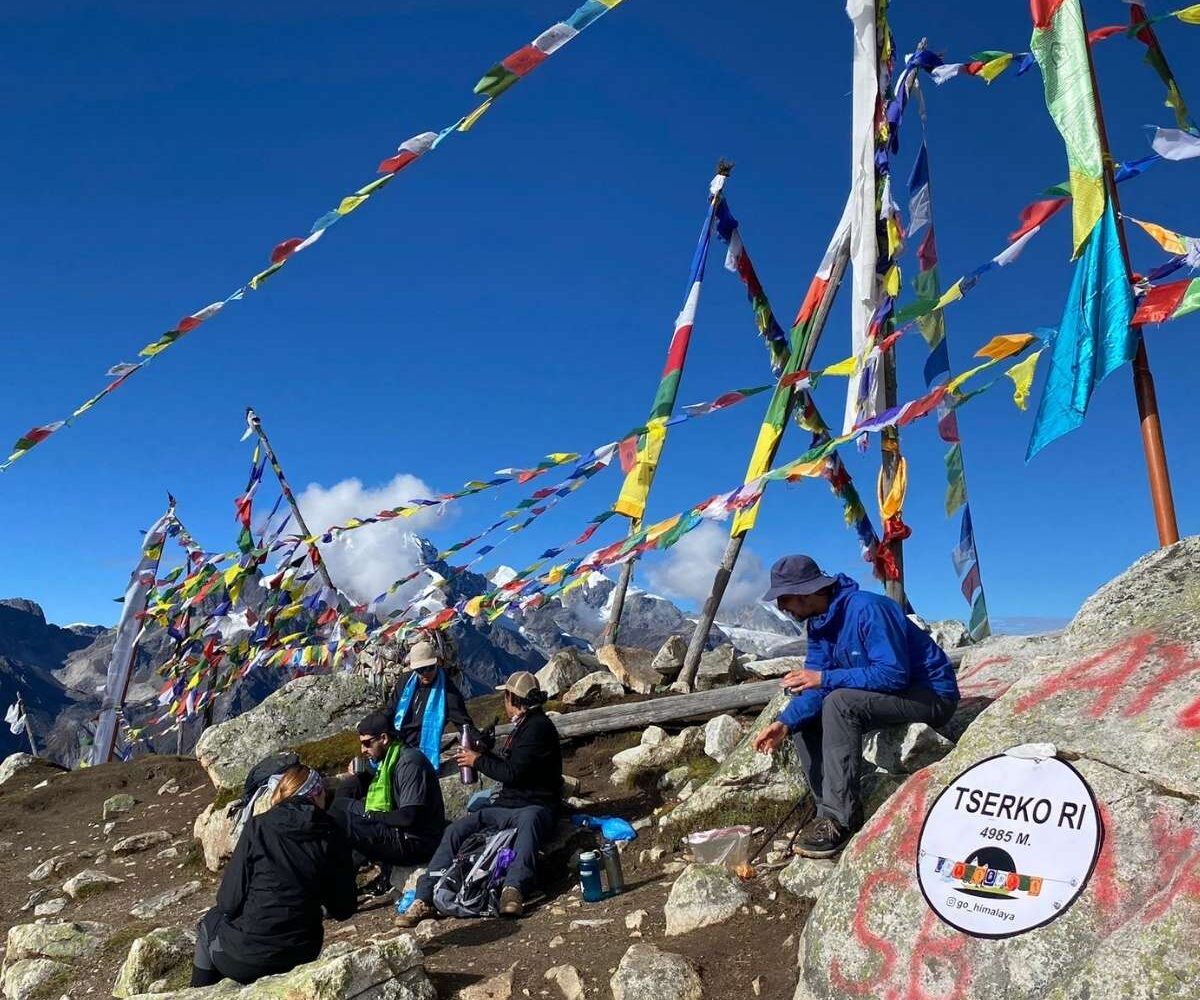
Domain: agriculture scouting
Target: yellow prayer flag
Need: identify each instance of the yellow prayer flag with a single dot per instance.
(610, 4)
(801, 470)
(846, 367)
(1189, 15)
(1005, 346)
(895, 237)
(636, 489)
(262, 276)
(760, 462)
(893, 503)
(474, 605)
(350, 203)
(951, 294)
(995, 67)
(1022, 375)
(954, 383)
(891, 281)
(466, 124)
(375, 185)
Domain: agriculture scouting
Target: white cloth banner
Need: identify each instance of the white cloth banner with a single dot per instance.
(1175, 144)
(120, 666)
(15, 719)
(864, 252)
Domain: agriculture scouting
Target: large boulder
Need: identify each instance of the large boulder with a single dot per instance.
(646, 973)
(62, 941)
(631, 666)
(716, 667)
(1118, 694)
(668, 661)
(565, 668)
(306, 709)
(905, 749)
(15, 762)
(152, 958)
(722, 734)
(30, 977)
(748, 787)
(703, 895)
(391, 969)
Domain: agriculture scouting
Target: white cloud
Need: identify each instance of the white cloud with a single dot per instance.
(364, 562)
(686, 573)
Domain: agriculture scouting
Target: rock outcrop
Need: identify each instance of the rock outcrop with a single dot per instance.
(631, 666)
(646, 973)
(1119, 695)
(597, 686)
(564, 668)
(15, 762)
(153, 957)
(306, 709)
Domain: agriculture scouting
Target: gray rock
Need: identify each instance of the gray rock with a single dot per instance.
(631, 666)
(716, 668)
(805, 878)
(13, 763)
(668, 661)
(675, 778)
(37, 896)
(388, 969)
(153, 906)
(564, 668)
(567, 979)
(28, 977)
(721, 734)
(950, 633)
(169, 787)
(875, 788)
(596, 686)
(308, 708)
(153, 957)
(63, 941)
(51, 908)
(456, 795)
(214, 829)
(140, 842)
(115, 805)
(703, 895)
(497, 987)
(646, 973)
(905, 749)
(768, 670)
(661, 755)
(89, 882)
(1119, 694)
(748, 787)
(51, 866)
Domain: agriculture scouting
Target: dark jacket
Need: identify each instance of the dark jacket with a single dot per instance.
(417, 805)
(410, 725)
(865, 641)
(528, 766)
(289, 863)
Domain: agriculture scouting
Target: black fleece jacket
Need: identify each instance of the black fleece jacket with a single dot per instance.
(528, 766)
(289, 863)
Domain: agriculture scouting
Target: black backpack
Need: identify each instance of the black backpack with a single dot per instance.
(470, 884)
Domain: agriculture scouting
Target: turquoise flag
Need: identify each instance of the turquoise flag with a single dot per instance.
(1094, 338)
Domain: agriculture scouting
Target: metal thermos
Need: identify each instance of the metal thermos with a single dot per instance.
(589, 877)
(466, 774)
(612, 868)
(360, 765)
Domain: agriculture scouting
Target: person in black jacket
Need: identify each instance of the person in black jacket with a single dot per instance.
(529, 769)
(428, 701)
(290, 862)
(391, 808)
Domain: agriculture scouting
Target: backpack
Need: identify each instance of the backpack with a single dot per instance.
(259, 785)
(470, 884)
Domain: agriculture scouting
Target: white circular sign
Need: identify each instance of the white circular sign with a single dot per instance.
(1009, 845)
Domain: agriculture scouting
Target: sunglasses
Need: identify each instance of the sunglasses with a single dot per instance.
(366, 741)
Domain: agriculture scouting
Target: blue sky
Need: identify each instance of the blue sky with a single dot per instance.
(513, 293)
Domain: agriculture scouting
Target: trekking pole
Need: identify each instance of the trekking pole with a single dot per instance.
(778, 826)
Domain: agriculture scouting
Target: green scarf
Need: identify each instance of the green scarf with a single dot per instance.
(379, 795)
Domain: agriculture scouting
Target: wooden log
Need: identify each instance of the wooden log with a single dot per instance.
(674, 708)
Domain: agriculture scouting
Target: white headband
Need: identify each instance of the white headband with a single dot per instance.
(311, 784)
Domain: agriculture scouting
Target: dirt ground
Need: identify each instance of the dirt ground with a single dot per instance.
(64, 817)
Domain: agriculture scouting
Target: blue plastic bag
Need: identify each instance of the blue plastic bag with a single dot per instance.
(611, 827)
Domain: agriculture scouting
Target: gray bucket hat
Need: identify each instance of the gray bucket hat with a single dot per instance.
(796, 575)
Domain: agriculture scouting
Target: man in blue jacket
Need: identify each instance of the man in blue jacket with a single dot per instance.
(867, 667)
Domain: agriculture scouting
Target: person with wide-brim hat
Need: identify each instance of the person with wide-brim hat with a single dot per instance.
(428, 701)
(867, 666)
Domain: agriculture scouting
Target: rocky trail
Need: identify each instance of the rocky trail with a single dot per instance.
(1117, 694)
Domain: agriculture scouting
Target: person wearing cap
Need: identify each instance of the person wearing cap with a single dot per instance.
(529, 769)
(391, 806)
(427, 702)
(867, 666)
(291, 863)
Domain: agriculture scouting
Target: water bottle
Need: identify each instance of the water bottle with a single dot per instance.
(589, 877)
(612, 868)
(466, 774)
(405, 901)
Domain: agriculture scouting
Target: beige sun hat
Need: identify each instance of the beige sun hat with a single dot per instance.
(423, 654)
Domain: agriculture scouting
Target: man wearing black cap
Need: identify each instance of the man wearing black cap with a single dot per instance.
(867, 667)
(529, 769)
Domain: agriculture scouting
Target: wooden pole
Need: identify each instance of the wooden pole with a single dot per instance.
(21, 710)
(733, 547)
(256, 424)
(609, 636)
(1143, 379)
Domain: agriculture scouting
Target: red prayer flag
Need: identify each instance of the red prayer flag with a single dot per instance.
(285, 249)
(523, 60)
(1160, 303)
(1035, 214)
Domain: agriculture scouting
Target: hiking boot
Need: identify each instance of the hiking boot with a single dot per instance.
(822, 838)
(417, 911)
(512, 903)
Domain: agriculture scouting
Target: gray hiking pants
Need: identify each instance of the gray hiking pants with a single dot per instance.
(830, 747)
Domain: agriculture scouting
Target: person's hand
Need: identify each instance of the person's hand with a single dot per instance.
(796, 681)
(466, 758)
(770, 738)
